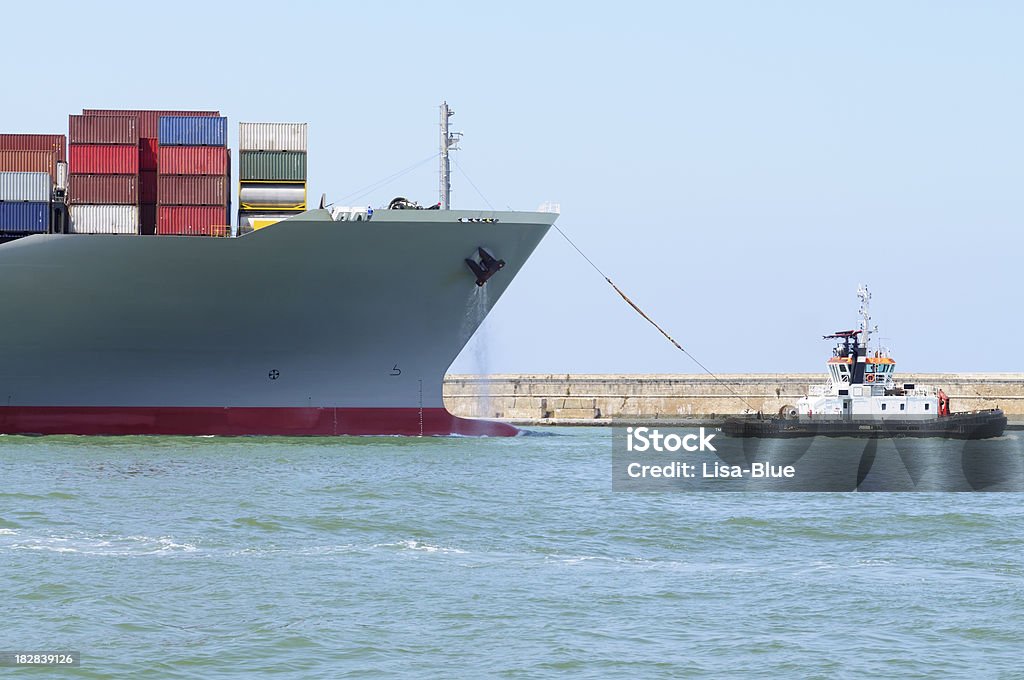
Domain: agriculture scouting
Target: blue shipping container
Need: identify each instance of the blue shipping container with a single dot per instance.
(24, 217)
(193, 131)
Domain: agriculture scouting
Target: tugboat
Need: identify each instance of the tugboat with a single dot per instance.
(862, 399)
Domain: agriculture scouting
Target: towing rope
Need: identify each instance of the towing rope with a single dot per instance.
(652, 322)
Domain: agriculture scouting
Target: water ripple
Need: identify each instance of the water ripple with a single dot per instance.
(355, 557)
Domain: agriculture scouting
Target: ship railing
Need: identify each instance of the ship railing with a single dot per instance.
(818, 390)
(977, 411)
(351, 214)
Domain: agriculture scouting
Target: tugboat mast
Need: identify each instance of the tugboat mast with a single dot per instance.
(864, 295)
(449, 142)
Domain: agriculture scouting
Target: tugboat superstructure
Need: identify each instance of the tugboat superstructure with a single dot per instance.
(862, 383)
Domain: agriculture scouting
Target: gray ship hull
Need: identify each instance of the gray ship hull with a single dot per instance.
(967, 425)
(310, 326)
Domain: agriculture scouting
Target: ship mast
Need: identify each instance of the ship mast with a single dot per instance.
(864, 295)
(449, 142)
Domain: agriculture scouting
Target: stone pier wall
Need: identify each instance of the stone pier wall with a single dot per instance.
(625, 397)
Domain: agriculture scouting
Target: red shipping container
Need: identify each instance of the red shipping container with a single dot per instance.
(103, 159)
(54, 143)
(147, 186)
(147, 218)
(103, 129)
(29, 161)
(147, 153)
(104, 189)
(193, 190)
(191, 220)
(193, 160)
(148, 120)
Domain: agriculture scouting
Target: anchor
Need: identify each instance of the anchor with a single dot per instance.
(486, 268)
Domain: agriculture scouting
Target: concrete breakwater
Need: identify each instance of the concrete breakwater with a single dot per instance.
(604, 398)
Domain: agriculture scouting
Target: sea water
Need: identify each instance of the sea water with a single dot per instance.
(462, 557)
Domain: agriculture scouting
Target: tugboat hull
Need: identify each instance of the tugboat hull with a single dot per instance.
(973, 425)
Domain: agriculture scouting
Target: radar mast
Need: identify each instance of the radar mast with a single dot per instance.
(449, 142)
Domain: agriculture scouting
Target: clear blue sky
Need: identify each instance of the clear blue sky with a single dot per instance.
(737, 167)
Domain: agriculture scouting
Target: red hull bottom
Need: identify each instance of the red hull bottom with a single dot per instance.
(230, 421)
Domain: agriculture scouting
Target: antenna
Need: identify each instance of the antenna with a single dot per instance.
(449, 142)
(864, 295)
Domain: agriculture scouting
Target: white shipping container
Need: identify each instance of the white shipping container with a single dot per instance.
(272, 136)
(104, 219)
(25, 186)
(62, 175)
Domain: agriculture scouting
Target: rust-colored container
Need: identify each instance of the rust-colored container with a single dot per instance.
(147, 217)
(29, 161)
(147, 186)
(103, 189)
(149, 121)
(193, 190)
(192, 160)
(54, 143)
(191, 220)
(147, 153)
(103, 159)
(103, 129)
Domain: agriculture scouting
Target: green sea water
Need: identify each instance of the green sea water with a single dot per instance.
(460, 557)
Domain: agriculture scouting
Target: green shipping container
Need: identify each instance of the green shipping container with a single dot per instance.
(281, 166)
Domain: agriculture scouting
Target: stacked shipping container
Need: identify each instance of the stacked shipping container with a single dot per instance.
(24, 203)
(272, 172)
(103, 187)
(148, 125)
(24, 160)
(168, 172)
(54, 143)
(193, 168)
(30, 165)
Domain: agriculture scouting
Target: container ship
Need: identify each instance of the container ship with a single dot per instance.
(132, 306)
